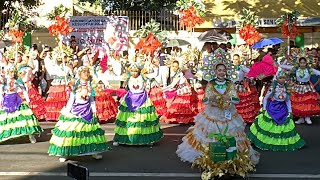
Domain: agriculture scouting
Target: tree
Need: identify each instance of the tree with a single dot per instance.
(150, 5)
(25, 2)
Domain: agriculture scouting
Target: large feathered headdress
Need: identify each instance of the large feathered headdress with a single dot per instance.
(219, 57)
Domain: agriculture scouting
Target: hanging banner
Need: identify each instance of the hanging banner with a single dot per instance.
(266, 22)
(106, 32)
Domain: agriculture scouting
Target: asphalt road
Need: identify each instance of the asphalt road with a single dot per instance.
(20, 160)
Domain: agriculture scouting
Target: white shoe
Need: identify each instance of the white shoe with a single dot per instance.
(308, 120)
(300, 121)
(97, 156)
(62, 159)
(32, 139)
(115, 144)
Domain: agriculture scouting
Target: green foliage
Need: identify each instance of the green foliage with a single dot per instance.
(58, 11)
(21, 16)
(291, 17)
(137, 5)
(154, 28)
(248, 17)
(185, 4)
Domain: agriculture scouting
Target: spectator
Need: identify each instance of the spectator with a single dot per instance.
(87, 57)
(74, 46)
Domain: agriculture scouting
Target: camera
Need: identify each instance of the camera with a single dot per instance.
(77, 172)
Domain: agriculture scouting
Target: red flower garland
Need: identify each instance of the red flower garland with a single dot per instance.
(60, 27)
(16, 35)
(149, 44)
(190, 18)
(249, 34)
(285, 30)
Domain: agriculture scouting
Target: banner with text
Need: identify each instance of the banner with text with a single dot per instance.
(266, 22)
(106, 32)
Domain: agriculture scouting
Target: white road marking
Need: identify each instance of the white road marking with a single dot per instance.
(186, 175)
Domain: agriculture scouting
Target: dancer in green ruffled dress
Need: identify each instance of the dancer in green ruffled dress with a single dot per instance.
(274, 128)
(137, 122)
(16, 117)
(78, 132)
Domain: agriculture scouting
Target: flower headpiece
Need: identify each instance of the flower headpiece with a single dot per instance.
(281, 73)
(191, 55)
(12, 68)
(82, 68)
(295, 55)
(302, 54)
(60, 52)
(11, 51)
(23, 67)
(219, 57)
(135, 67)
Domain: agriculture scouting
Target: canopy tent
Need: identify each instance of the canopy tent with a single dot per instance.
(223, 13)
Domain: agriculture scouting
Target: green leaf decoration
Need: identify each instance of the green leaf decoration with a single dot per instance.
(58, 11)
(291, 17)
(248, 17)
(154, 28)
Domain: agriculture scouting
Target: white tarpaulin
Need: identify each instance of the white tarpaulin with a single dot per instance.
(107, 32)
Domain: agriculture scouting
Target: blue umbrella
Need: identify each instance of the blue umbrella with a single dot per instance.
(276, 40)
(266, 42)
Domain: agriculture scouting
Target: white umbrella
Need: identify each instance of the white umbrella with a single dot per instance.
(176, 43)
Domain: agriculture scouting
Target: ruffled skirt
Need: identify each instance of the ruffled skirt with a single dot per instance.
(107, 107)
(249, 105)
(56, 100)
(304, 101)
(21, 122)
(137, 128)
(266, 134)
(197, 100)
(157, 98)
(74, 136)
(37, 103)
(212, 120)
(179, 110)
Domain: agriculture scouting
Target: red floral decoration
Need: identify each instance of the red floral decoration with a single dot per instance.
(148, 45)
(249, 34)
(16, 35)
(285, 30)
(60, 27)
(190, 18)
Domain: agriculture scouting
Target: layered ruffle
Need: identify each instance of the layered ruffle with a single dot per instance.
(37, 103)
(56, 100)
(139, 127)
(249, 105)
(212, 120)
(305, 105)
(22, 122)
(74, 136)
(157, 98)
(180, 110)
(197, 100)
(107, 107)
(266, 134)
